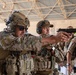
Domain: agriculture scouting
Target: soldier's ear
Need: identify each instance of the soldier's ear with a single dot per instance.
(39, 27)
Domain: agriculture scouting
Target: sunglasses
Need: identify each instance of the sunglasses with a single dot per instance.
(21, 28)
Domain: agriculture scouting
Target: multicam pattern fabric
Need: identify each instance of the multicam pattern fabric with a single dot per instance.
(72, 48)
(59, 53)
(32, 42)
(44, 62)
(28, 42)
(18, 61)
(72, 45)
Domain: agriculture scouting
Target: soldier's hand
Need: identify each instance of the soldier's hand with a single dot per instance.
(63, 36)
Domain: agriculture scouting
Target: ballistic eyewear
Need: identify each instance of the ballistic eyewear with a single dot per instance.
(21, 28)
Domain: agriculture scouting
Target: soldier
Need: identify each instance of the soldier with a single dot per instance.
(64, 47)
(19, 43)
(71, 36)
(71, 54)
(43, 29)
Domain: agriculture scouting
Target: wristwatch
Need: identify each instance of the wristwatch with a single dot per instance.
(68, 64)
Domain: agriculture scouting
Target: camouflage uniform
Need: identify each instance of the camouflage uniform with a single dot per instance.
(19, 45)
(48, 60)
(72, 51)
(48, 57)
(58, 55)
(72, 46)
(19, 60)
(3, 54)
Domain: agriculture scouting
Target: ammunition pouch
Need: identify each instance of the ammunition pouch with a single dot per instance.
(15, 53)
(43, 62)
(13, 63)
(42, 66)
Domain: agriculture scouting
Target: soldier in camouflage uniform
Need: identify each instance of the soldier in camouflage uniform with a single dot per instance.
(43, 29)
(71, 54)
(18, 43)
(16, 40)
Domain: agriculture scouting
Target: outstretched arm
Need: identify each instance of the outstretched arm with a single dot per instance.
(60, 37)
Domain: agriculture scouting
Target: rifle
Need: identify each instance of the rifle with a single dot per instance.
(67, 30)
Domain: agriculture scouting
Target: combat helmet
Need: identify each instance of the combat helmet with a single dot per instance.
(17, 18)
(42, 23)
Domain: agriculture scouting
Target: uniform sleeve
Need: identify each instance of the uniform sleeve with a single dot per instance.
(11, 43)
(32, 43)
(28, 42)
(72, 45)
(6, 42)
(37, 44)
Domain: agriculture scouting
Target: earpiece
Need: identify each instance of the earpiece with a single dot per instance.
(39, 27)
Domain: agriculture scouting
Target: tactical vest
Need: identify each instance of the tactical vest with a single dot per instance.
(43, 62)
(19, 64)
